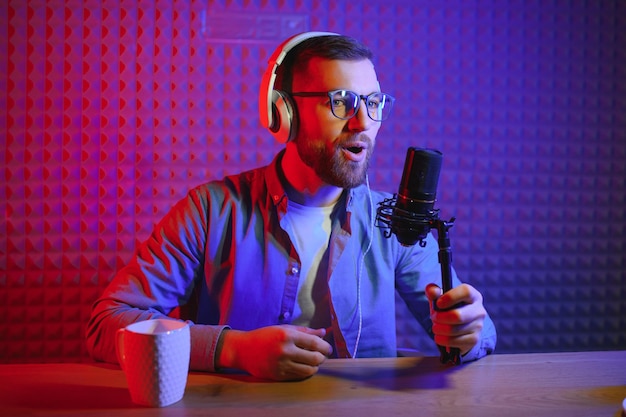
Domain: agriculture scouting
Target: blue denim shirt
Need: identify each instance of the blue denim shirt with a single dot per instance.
(222, 251)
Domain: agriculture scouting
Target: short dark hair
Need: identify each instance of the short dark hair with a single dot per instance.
(334, 47)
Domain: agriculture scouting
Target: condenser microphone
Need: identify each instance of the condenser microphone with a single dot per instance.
(415, 201)
(417, 194)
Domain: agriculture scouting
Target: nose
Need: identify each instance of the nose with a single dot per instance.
(361, 121)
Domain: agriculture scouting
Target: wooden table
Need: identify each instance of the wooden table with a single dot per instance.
(558, 384)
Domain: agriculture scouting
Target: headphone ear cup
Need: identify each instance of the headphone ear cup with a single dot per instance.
(284, 118)
(277, 111)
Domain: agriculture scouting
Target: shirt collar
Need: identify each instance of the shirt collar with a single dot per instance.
(272, 179)
(278, 194)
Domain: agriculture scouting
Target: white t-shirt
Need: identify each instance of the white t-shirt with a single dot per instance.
(310, 227)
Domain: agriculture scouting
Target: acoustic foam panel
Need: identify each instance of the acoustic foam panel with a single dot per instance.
(113, 110)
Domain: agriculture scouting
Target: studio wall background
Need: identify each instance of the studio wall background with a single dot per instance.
(114, 109)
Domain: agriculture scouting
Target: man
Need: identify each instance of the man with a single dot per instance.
(283, 263)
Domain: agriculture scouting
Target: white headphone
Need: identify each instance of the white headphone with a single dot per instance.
(276, 110)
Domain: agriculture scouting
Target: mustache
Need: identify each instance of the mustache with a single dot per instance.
(354, 138)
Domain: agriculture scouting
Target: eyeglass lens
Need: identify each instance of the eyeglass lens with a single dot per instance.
(345, 104)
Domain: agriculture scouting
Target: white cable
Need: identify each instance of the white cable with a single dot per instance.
(362, 261)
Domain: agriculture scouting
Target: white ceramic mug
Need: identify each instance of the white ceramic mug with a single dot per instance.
(154, 355)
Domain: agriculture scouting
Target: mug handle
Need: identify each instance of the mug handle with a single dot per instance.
(119, 346)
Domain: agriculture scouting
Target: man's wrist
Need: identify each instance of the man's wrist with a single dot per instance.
(225, 351)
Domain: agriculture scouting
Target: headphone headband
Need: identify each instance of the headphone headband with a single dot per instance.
(267, 94)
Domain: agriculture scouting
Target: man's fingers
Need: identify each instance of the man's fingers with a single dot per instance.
(308, 357)
(312, 342)
(457, 330)
(315, 332)
(463, 294)
(433, 292)
(295, 371)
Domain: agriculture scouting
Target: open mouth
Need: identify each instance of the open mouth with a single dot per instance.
(355, 152)
(355, 149)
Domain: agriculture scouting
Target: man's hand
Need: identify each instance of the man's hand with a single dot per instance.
(281, 353)
(459, 318)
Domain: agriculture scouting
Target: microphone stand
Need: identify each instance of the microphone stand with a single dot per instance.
(409, 223)
(451, 355)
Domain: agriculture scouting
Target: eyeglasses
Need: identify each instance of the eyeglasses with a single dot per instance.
(345, 103)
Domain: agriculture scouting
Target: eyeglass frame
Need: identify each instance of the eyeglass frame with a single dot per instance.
(390, 99)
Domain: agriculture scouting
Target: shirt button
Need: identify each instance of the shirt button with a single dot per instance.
(294, 271)
(286, 315)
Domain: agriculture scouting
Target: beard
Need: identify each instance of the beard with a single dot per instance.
(331, 166)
